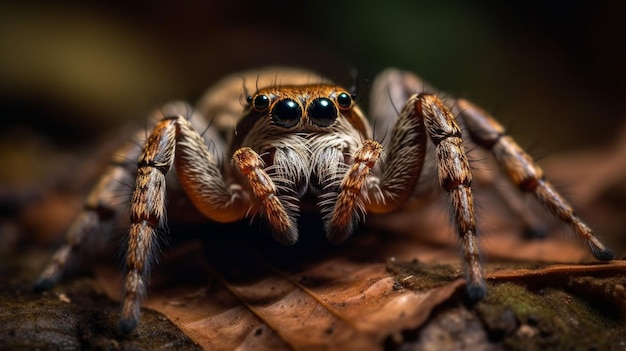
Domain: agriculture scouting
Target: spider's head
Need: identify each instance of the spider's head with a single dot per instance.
(314, 109)
(311, 107)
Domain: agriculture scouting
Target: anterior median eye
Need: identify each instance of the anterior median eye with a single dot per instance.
(286, 113)
(322, 112)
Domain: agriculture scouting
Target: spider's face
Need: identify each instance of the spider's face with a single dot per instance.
(313, 107)
(318, 108)
(305, 135)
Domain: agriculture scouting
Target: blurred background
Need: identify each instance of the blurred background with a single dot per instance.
(71, 71)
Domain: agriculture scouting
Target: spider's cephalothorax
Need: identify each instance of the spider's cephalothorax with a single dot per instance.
(296, 140)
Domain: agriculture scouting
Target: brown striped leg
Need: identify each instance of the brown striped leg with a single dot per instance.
(361, 191)
(525, 173)
(173, 142)
(147, 214)
(107, 200)
(455, 177)
(283, 224)
(349, 205)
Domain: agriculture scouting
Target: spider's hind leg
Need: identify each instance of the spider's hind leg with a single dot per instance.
(101, 207)
(520, 168)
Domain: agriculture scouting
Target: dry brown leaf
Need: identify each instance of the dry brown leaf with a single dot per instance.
(340, 303)
(507, 274)
(245, 297)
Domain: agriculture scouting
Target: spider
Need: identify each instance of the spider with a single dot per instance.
(300, 142)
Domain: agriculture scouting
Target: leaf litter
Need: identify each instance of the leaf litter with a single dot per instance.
(392, 277)
(241, 296)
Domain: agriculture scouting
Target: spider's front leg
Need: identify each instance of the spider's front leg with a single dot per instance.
(174, 141)
(423, 116)
(265, 191)
(360, 191)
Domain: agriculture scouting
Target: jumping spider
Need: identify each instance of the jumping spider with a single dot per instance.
(296, 138)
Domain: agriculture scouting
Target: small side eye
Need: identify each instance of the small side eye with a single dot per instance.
(344, 101)
(260, 103)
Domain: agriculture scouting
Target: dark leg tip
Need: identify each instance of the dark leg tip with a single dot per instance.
(476, 291)
(288, 238)
(337, 236)
(43, 284)
(127, 325)
(602, 254)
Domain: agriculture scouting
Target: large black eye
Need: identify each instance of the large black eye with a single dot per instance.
(286, 113)
(344, 101)
(260, 103)
(322, 112)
